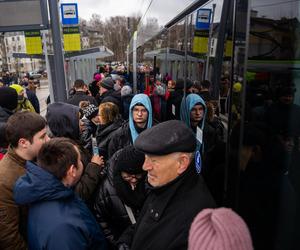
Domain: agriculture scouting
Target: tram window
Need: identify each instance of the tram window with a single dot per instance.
(269, 123)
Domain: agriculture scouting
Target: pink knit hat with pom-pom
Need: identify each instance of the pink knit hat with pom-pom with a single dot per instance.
(219, 229)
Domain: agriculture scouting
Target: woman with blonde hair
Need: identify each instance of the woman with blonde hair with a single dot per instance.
(110, 120)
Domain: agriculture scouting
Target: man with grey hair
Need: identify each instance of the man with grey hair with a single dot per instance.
(177, 194)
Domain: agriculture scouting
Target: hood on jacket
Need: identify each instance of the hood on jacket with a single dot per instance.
(8, 98)
(39, 185)
(63, 120)
(186, 106)
(145, 101)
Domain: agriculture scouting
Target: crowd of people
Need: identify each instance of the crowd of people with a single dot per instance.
(110, 169)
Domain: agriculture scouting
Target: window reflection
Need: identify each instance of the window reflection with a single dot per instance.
(269, 156)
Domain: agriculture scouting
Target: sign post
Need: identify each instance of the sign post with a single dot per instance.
(70, 21)
(71, 38)
(69, 14)
(209, 43)
(58, 78)
(203, 19)
(202, 38)
(33, 42)
(202, 31)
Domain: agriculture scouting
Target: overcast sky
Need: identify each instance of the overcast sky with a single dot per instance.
(107, 8)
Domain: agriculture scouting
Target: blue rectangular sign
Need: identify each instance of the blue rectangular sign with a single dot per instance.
(69, 13)
(203, 19)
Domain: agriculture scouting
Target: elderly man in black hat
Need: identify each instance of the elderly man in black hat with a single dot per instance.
(176, 194)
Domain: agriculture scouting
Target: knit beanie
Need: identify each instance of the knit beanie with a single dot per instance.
(219, 229)
(97, 77)
(107, 83)
(8, 98)
(130, 160)
(90, 111)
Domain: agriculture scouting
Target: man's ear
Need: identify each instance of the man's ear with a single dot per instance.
(184, 162)
(72, 171)
(23, 143)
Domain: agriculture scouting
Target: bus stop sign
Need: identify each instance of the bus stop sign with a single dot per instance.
(203, 19)
(69, 13)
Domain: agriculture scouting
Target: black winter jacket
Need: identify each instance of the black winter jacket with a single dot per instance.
(168, 212)
(119, 139)
(4, 115)
(110, 96)
(85, 135)
(174, 99)
(32, 97)
(126, 100)
(109, 208)
(104, 135)
(81, 96)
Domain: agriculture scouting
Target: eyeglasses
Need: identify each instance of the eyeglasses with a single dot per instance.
(128, 177)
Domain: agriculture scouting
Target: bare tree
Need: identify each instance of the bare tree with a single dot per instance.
(113, 33)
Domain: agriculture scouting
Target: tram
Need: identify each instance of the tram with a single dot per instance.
(254, 45)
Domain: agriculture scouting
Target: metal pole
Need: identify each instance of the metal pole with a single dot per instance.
(220, 49)
(127, 61)
(185, 53)
(134, 63)
(45, 49)
(209, 43)
(59, 82)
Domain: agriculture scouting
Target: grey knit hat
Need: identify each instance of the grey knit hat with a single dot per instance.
(108, 83)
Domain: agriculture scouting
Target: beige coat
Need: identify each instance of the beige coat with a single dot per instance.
(12, 217)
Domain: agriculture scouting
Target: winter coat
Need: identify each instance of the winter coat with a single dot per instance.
(109, 207)
(126, 100)
(120, 138)
(104, 134)
(94, 88)
(159, 104)
(174, 99)
(86, 134)
(206, 96)
(127, 134)
(57, 218)
(25, 105)
(110, 96)
(12, 217)
(63, 121)
(34, 100)
(4, 115)
(168, 212)
(81, 96)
